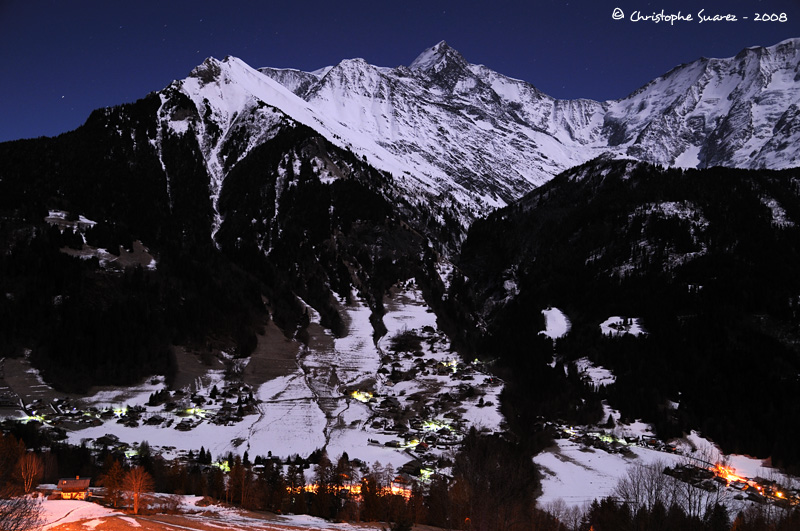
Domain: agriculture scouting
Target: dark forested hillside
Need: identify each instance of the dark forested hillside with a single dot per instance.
(299, 218)
(707, 260)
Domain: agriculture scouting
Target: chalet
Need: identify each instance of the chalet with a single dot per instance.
(74, 489)
(106, 440)
(739, 485)
(155, 420)
(411, 468)
(185, 425)
(401, 482)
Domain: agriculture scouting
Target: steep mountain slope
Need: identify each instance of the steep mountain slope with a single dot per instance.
(481, 138)
(301, 218)
(705, 259)
(466, 139)
(716, 112)
(444, 121)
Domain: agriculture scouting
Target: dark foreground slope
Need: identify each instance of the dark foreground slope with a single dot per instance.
(708, 259)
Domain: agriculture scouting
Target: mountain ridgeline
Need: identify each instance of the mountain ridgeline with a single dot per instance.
(475, 139)
(196, 215)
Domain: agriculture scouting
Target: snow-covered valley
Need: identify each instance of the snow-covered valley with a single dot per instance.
(407, 398)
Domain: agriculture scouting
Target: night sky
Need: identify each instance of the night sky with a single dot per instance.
(64, 58)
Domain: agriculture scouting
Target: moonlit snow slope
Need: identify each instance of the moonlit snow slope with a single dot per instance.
(556, 323)
(58, 512)
(577, 475)
(312, 407)
(617, 326)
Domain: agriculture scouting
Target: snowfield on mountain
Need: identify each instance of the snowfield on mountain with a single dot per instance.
(473, 138)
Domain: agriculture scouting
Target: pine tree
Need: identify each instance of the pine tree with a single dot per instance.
(323, 505)
(295, 483)
(717, 519)
(113, 481)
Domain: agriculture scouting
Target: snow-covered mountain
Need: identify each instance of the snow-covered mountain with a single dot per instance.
(282, 212)
(464, 137)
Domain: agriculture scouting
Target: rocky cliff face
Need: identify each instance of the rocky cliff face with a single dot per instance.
(467, 139)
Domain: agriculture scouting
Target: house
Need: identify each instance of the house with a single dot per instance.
(107, 440)
(74, 489)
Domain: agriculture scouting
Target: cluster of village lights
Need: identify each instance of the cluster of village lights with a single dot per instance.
(361, 396)
(729, 475)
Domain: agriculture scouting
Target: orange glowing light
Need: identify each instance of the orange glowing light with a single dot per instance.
(355, 490)
(728, 474)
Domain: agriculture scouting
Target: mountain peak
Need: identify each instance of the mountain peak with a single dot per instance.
(207, 71)
(436, 57)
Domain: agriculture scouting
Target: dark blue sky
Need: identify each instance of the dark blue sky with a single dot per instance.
(63, 58)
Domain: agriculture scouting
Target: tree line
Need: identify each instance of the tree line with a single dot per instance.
(493, 486)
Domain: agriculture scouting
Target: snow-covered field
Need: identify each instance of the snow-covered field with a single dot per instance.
(58, 512)
(353, 395)
(577, 474)
(598, 375)
(556, 324)
(348, 394)
(74, 515)
(617, 326)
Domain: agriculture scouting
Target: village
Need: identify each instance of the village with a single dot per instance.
(422, 429)
(417, 408)
(695, 471)
(422, 423)
(410, 405)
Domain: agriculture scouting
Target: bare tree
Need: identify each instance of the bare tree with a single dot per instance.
(695, 501)
(573, 517)
(557, 508)
(644, 484)
(137, 481)
(569, 515)
(30, 470)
